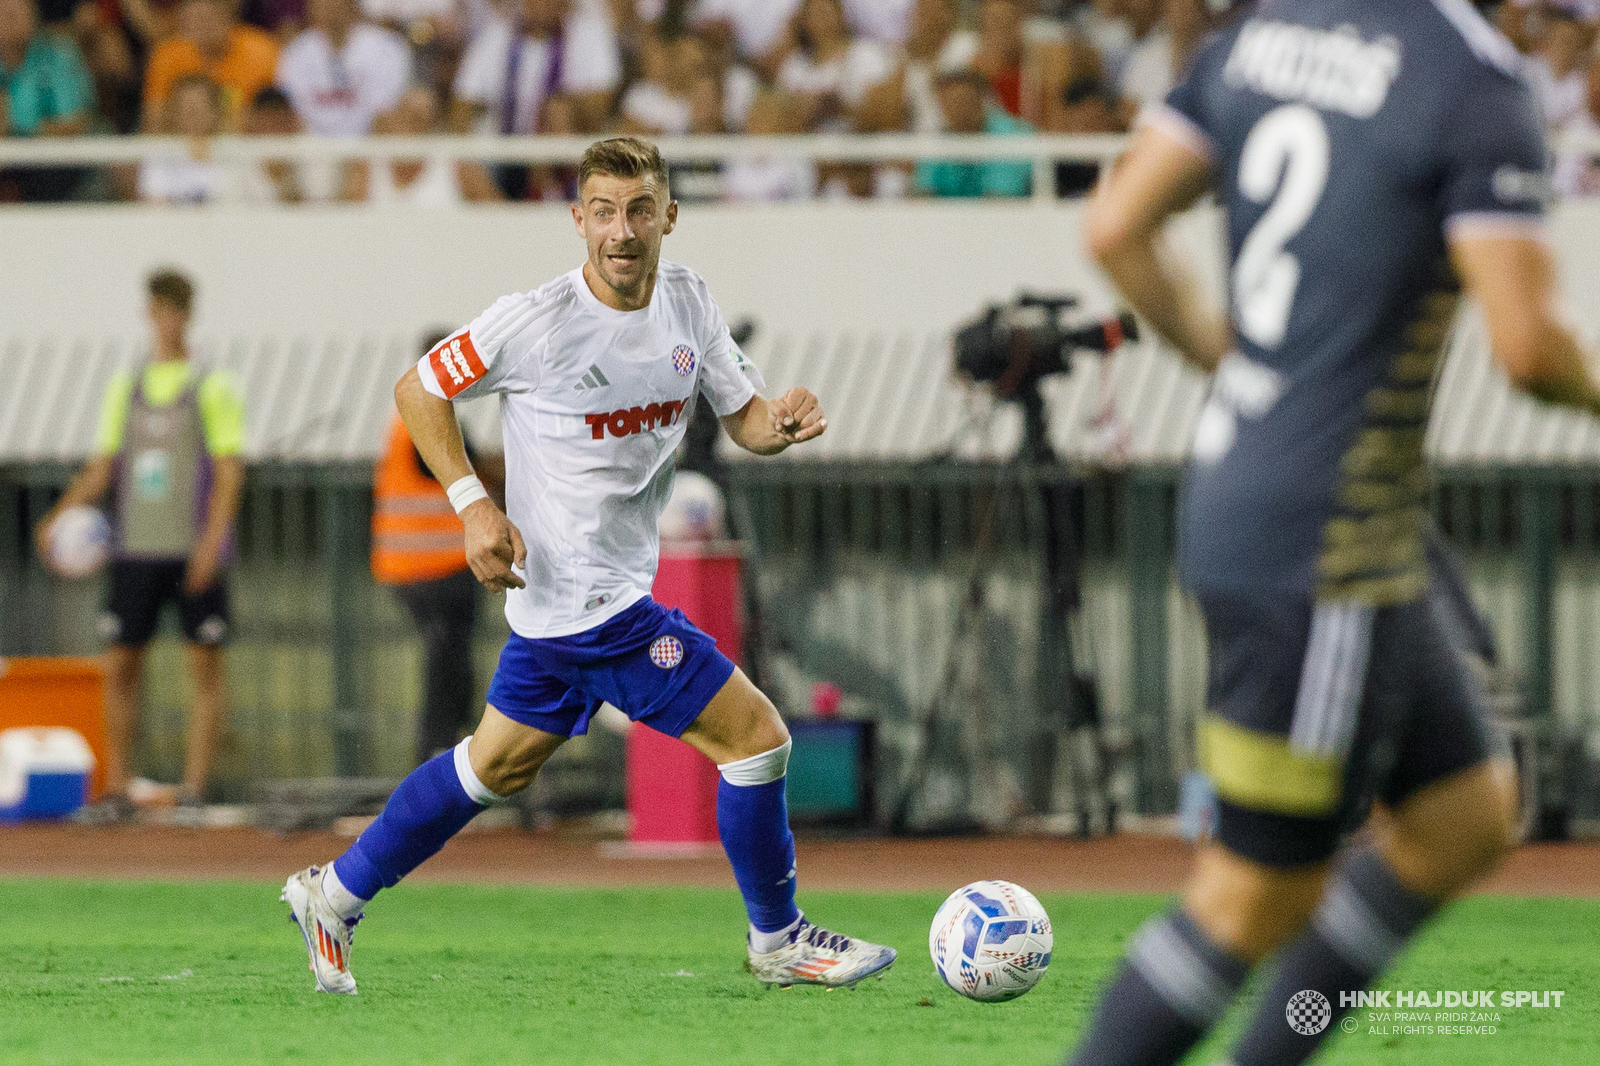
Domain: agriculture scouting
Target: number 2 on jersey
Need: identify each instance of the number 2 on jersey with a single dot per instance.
(1284, 164)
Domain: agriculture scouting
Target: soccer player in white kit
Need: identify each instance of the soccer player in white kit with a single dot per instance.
(595, 371)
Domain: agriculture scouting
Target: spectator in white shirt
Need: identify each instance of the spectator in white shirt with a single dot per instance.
(660, 101)
(1160, 59)
(767, 178)
(887, 22)
(934, 46)
(417, 182)
(1557, 69)
(193, 111)
(270, 181)
(737, 85)
(828, 70)
(341, 72)
(1001, 51)
(1106, 27)
(759, 29)
(559, 51)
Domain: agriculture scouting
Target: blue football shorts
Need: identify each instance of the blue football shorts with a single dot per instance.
(649, 662)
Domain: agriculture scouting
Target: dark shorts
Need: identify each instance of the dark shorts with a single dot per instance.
(139, 588)
(648, 662)
(1317, 710)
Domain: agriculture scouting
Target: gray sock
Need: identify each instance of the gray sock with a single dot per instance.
(1364, 920)
(1175, 985)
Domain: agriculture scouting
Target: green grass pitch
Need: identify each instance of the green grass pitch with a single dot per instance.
(114, 972)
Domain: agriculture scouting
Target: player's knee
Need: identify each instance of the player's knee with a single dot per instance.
(769, 733)
(507, 771)
(1250, 909)
(1444, 840)
(504, 777)
(755, 729)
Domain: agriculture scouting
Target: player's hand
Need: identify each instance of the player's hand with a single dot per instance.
(797, 416)
(41, 533)
(494, 546)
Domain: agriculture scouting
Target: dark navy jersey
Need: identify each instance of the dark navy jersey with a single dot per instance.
(1349, 140)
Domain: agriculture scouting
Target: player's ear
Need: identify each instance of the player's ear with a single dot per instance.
(577, 219)
(672, 217)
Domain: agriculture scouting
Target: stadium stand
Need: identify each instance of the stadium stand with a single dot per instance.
(664, 67)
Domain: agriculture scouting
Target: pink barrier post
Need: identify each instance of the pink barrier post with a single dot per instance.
(672, 789)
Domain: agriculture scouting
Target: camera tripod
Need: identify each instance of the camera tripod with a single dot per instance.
(1081, 766)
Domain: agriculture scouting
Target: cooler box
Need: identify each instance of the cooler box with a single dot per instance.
(672, 789)
(67, 691)
(44, 773)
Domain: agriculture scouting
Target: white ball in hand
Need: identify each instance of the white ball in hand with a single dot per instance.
(80, 541)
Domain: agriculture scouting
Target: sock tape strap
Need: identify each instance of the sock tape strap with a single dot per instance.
(760, 769)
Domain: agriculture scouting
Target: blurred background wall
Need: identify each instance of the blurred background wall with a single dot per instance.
(901, 560)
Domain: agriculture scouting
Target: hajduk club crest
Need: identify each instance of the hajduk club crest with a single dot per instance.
(683, 360)
(666, 652)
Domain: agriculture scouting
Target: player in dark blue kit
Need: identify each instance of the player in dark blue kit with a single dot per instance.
(1374, 158)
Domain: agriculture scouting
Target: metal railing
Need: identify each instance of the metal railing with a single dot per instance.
(861, 574)
(1043, 151)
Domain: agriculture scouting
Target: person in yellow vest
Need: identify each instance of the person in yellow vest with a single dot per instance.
(168, 448)
(418, 549)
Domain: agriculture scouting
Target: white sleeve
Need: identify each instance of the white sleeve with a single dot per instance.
(490, 353)
(727, 378)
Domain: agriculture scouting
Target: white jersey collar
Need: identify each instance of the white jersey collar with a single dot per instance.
(592, 302)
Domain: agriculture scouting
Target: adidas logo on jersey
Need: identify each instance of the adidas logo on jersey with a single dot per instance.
(631, 420)
(592, 379)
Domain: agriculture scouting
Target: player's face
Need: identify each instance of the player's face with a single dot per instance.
(170, 323)
(623, 221)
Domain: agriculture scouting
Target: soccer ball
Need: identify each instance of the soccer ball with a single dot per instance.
(991, 941)
(80, 540)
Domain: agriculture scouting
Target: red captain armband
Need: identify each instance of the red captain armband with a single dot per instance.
(455, 364)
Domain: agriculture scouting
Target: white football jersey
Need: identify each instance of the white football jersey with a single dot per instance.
(593, 403)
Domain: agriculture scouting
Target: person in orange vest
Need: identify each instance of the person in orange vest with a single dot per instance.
(418, 550)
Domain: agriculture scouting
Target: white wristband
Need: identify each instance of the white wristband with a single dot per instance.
(466, 492)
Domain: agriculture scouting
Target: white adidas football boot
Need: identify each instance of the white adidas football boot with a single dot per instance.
(815, 956)
(327, 935)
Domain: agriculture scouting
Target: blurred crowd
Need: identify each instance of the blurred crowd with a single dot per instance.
(197, 68)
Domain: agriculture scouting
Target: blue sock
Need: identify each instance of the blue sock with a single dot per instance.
(753, 821)
(428, 808)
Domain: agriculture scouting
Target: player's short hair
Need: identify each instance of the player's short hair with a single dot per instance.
(172, 287)
(622, 157)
